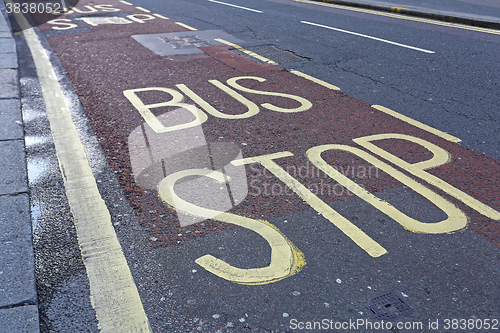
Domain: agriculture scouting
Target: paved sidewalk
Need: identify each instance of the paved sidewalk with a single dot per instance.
(18, 298)
(481, 13)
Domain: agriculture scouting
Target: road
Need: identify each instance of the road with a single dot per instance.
(272, 166)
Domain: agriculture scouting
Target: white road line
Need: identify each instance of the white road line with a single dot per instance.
(370, 37)
(228, 4)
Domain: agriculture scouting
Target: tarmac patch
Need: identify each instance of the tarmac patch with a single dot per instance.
(179, 43)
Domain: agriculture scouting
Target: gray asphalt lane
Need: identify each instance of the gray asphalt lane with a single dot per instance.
(438, 276)
(454, 89)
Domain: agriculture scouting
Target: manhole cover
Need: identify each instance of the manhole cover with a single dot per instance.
(185, 42)
(388, 306)
(272, 52)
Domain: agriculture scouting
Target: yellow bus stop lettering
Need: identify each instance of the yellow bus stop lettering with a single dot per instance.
(177, 98)
(64, 24)
(418, 169)
(304, 103)
(253, 109)
(456, 218)
(286, 259)
(357, 235)
(140, 18)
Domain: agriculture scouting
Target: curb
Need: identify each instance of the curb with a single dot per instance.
(482, 22)
(18, 295)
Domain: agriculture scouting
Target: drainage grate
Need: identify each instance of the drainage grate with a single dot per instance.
(272, 52)
(388, 306)
(185, 42)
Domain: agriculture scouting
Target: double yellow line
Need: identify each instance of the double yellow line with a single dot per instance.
(113, 293)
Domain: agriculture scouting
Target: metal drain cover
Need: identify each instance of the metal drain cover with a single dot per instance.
(272, 52)
(388, 306)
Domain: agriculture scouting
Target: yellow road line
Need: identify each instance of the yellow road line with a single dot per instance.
(144, 9)
(113, 293)
(250, 53)
(161, 16)
(186, 26)
(418, 124)
(397, 9)
(313, 79)
(404, 17)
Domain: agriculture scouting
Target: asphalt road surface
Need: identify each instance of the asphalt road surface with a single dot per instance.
(264, 166)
